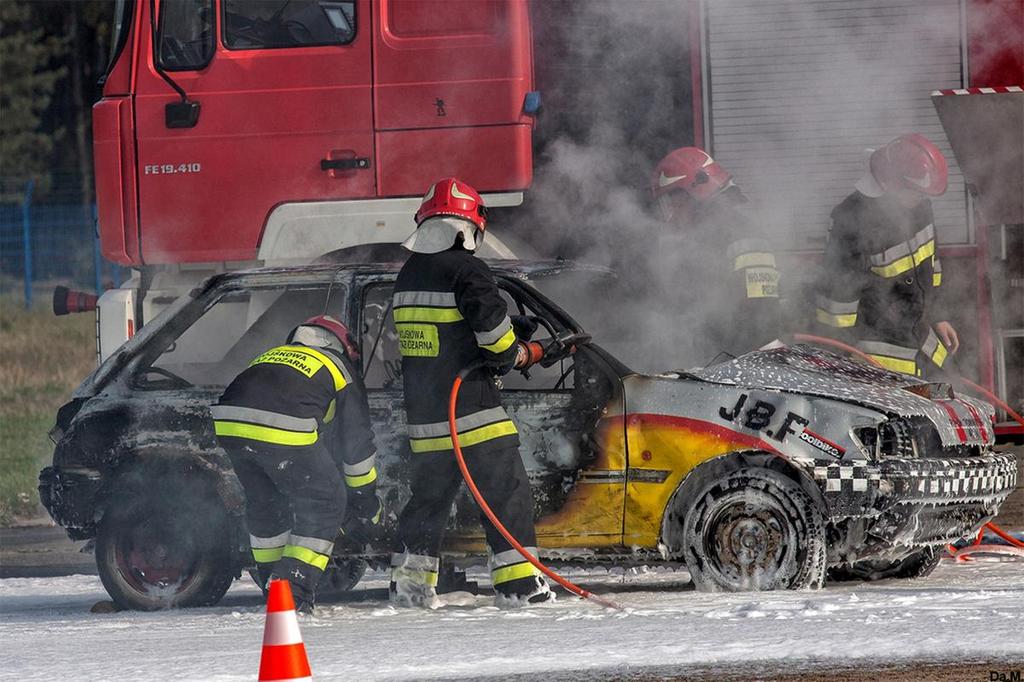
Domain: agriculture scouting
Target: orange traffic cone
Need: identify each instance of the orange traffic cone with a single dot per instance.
(284, 654)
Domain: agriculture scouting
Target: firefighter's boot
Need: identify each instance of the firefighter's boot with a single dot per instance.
(414, 580)
(523, 592)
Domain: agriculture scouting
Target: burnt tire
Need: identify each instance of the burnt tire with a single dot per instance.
(154, 555)
(753, 529)
(340, 577)
(919, 564)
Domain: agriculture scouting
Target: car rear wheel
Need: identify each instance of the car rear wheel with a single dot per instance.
(340, 577)
(754, 529)
(919, 564)
(152, 555)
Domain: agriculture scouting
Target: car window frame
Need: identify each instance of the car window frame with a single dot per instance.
(509, 284)
(182, 316)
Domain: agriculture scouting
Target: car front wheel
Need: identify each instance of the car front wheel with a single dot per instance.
(754, 529)
(152, 555)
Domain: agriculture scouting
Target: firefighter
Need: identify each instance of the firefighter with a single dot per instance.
(449, 314)
(296, 427)
(881, 268)
(728, 284)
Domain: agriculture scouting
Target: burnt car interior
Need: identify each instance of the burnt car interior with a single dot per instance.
(557, 408)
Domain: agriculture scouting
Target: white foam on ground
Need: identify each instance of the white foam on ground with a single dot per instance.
(973, 611)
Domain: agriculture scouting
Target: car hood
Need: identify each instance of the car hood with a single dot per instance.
(809, 370)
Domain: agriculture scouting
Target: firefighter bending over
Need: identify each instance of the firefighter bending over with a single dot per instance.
(726, 282)
(449, 314)
(881, 268)
(296, 426)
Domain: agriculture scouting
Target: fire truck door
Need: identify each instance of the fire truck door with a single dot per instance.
(285, 115)
(450, 79)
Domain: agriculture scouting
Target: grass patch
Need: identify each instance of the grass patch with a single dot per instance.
(42, 359)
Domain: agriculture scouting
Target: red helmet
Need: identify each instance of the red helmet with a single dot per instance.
(690, 169)
(334, 327)
(912, 162)
(453, 197)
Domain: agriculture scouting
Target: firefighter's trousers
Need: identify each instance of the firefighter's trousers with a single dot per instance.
(295, 500)
(434, 482)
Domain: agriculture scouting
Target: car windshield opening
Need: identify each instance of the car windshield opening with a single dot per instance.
(235, 329)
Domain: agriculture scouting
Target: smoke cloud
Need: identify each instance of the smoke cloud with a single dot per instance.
(796, 94)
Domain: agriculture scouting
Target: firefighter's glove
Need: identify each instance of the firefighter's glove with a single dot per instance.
(528, 354)
(361, 529)
(524, 327)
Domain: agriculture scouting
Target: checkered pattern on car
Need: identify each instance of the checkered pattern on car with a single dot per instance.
(962, 476)
(922, 477)
(855, 476)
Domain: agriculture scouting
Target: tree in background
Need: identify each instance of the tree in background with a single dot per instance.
(52, 52)
(29, 73)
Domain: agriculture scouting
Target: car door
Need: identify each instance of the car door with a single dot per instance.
(282, 86)
(570, 424)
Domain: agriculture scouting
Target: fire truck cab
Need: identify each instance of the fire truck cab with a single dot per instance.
(238, 132)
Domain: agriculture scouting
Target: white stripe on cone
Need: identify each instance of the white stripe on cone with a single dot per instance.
(282, 628)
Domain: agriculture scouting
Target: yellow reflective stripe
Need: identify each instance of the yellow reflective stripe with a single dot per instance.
(831, 320)
(360, 481)
(418, 577)
(306, 556)
(339, 378)
(414, 314)
(513, 572)
(474, 437)
(896, 364)
(265, 434)
(502, 344)
(267, 556)
(936, 279)
(331, 407)
(748, 260)
(939, 356)
(907, 262)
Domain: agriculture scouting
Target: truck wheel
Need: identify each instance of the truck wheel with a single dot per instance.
(754, 529)
(152, 555)
(919, 564)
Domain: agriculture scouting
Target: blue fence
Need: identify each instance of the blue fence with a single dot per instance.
(43, 244)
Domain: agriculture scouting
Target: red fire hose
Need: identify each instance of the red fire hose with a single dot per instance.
(977, 546)
(575, 589)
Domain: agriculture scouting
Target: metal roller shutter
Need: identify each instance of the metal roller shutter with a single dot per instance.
(797, 89)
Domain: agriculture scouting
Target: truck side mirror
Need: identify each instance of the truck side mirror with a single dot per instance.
(181, 114)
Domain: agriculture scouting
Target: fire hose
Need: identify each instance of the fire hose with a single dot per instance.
(572, 587)
(1016, 547)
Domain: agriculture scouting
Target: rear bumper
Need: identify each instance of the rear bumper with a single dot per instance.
(70, 496)
(914, 502)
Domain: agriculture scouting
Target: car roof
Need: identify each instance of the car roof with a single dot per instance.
(322, 272)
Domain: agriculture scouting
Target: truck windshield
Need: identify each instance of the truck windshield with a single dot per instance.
(119, 33)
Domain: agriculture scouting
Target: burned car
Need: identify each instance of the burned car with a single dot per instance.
(761, 472)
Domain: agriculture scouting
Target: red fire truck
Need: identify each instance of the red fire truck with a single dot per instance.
(238, 132)
(242, 132)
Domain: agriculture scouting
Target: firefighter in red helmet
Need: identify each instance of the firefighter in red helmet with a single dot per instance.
(881, 269)
(449, 314)
(296, 427)
(727, 282)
